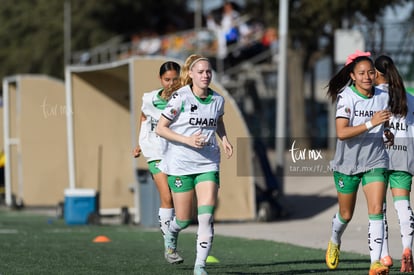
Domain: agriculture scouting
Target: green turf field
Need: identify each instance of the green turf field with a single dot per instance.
(35, 244)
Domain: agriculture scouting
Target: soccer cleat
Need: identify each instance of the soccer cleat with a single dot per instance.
(173, 257)
(170, 244)
(377, 268)
(387, 261)
(332, 255)
(199, 270)
(407, 261)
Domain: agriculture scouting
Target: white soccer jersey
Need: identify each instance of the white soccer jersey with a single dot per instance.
(367, 150)
(401, 153)
(410, 138)
(151, 144)
(190, 114)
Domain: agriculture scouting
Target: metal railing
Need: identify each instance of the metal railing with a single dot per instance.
(177, 45)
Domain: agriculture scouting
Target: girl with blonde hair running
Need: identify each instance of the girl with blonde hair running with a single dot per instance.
(190, 122)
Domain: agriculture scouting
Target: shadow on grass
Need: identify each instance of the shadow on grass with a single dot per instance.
(305, 206)
(349, 266)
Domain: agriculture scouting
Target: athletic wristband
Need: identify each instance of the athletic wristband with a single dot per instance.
(369, 125)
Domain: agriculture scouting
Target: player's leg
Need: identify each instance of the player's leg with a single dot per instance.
(374, 187)
(347, 187)
(385, 252)
(182, 188)
(166, 210)
(400, 188)
(206, 190)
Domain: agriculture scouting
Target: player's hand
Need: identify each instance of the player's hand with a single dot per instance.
(197, 140)
(227, 147)
(136, 152)
(380, 117)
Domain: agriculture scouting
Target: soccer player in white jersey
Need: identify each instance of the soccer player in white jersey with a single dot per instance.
(153, 103)
(401, 166)
(190, 122)
(360, 156)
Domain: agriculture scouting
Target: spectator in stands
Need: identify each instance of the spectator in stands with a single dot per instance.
(227, 30)
(150, 44)
(270, 40)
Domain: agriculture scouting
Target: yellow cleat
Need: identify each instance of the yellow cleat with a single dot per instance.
(377, 268)
(332, 255)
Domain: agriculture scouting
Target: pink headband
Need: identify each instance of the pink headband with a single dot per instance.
(356, 54)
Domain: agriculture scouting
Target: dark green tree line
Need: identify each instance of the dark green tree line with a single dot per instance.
(32, 31)
(32, 38)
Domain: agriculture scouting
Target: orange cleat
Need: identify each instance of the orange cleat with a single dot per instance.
(377, 268)
(387, 261)
(407, 261)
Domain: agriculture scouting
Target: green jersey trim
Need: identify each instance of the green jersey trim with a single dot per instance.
(358, 93)
(159, 103)
(410, 90)
(206, 100)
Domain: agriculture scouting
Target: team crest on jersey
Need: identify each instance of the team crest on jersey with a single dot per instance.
(178, 183)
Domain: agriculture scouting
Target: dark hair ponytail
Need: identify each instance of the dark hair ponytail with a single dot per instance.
(396, 89)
